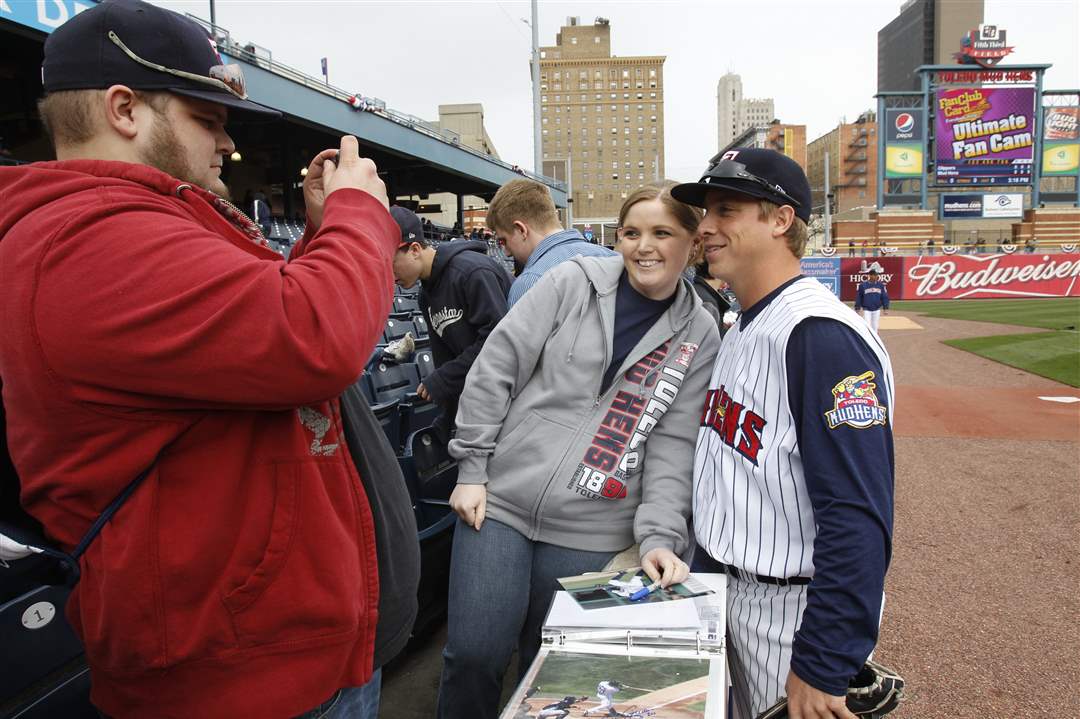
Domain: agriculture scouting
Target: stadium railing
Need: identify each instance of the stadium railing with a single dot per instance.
(231, 47)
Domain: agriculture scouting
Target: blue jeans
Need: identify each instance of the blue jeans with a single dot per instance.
(501, 585)
(351, 702)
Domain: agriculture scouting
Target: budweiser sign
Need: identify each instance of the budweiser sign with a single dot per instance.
(1003, 275)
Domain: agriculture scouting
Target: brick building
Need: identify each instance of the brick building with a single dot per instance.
(852, 149)
(601, 116)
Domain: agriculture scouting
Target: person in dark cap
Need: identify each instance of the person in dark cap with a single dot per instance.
(793, 473)
(462, 296)
(871, 298)
(147, 327)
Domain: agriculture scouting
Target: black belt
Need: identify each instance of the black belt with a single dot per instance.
(780, 582)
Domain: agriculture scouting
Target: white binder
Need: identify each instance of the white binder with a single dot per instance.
(668, 658)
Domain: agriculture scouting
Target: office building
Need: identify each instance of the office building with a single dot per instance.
(926, 32)
(602, 117)
(736, 114)
(788, 139)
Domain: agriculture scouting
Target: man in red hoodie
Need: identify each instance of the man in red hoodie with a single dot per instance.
(146, 324)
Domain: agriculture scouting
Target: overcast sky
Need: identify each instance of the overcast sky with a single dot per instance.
(816, 58)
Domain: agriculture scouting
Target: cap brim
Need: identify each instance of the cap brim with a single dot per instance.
(694, 193)
(251, 109)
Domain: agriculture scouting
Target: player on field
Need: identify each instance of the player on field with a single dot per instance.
(871, 299)
(605, 691)
(793, 473)
(558, 710)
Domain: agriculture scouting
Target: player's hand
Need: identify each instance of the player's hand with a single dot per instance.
(469, 501)
(806, 702)
(324, 177)
(422, 393)
(664, 565)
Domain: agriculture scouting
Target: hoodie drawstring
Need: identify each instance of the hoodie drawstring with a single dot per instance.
(580, 322)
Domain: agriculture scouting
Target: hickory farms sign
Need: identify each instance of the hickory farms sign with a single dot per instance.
(967, 276)
(856, 270)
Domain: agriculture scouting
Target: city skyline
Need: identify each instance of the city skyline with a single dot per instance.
(418, 55)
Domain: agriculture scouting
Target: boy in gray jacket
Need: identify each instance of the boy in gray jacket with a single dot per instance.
(575, 440)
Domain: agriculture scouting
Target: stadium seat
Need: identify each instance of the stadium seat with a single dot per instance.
(406, 303)
(388, 412)
(435, 474)
(425, 363)
(421, 327)
(417, 413)
(396, 329)
(31, 656)
(374, 360)
(393, 381)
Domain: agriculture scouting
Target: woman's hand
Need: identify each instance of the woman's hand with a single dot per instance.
(470, 503)
(661, 565)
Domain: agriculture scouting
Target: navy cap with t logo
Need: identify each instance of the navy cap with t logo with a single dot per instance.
(144, 47)
(756, 172)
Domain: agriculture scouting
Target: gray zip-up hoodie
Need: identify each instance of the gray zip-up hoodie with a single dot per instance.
(566, 466)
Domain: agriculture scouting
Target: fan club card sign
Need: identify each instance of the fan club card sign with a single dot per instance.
(856, 270)
(988, 276)
(985, 135)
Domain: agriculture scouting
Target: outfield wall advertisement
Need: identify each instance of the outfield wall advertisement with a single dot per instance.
(825, 270)
(944, 277)
(990, 276)
(985, 136)
(856, 270)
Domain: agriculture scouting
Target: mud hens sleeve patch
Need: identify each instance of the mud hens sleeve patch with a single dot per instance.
(855, 403)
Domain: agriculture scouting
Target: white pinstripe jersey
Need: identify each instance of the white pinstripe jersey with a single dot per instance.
(751, 506)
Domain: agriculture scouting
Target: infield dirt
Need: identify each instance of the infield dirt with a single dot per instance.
(982, 611)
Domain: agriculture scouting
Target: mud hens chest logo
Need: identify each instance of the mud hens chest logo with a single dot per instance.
(738, 427)
(856, 404)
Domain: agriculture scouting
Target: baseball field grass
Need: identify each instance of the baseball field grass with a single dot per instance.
(1055, 354)
(1049, 314)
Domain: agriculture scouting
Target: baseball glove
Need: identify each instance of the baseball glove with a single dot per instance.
(873, 692)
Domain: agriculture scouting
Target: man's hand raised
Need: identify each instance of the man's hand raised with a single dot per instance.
(333, 170)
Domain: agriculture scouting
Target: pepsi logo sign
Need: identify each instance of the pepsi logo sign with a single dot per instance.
(902, 126)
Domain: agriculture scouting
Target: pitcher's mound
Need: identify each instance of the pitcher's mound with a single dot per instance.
(896, 322)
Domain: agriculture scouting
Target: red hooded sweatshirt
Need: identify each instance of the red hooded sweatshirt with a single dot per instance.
(140, 327)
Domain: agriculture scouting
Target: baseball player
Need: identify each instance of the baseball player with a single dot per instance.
(872, 296)
(558, 710)
(606, 691)
(793, 471)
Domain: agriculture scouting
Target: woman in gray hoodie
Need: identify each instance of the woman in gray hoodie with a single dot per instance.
(575, 440)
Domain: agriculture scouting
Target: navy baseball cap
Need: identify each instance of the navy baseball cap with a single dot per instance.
(145, 47)
(755, 172)
(411, 230)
